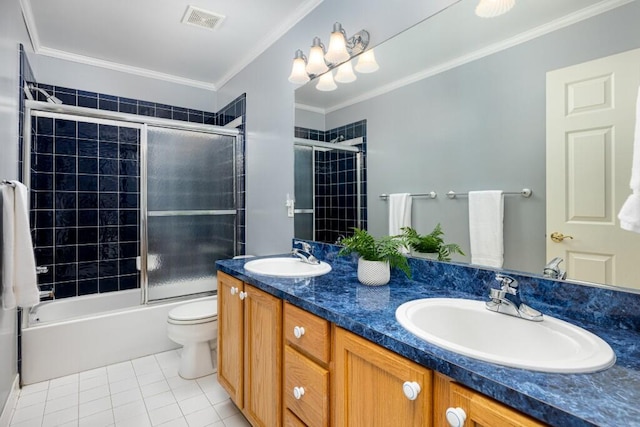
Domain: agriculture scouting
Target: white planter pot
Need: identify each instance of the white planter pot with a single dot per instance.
(373, 273)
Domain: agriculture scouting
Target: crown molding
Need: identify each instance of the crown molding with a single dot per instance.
(311, 108)
(302, 11)
(143, 72)
(565, 21)
(30, 23)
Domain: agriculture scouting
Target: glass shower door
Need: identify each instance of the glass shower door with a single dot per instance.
(191, 210)
(304, 221)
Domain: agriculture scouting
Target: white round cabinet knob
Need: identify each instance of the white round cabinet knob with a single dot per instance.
(234, 290)
(411, 390)
(298, 331)
(242, 295)
(298, 392)
(456, 417)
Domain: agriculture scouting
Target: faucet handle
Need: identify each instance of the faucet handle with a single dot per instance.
(305, 246)
(507, 283)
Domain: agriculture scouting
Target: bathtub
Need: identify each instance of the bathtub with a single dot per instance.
(72, 335)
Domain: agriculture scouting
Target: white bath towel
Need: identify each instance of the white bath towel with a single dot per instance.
(486, 213)
(630, 213)
(399, 212)
(19, 282)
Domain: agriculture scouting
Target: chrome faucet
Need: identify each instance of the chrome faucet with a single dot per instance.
(507, 300)
(552, 269)
(305, 253)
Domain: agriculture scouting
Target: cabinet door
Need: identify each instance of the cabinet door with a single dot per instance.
(480, 410)
(230, 336)
(262, 358)
(369, 386)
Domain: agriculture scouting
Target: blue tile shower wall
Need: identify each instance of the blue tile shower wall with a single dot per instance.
(336, 182)
(86, 191)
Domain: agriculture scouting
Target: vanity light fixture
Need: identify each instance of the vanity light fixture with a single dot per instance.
(367, 62)
(326, 83)
(493, 8)
(298, 72)
(316, 64)
(345, 73)
(337, 52)
(341, 50)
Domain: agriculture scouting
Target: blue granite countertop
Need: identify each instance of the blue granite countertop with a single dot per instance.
(607, 398)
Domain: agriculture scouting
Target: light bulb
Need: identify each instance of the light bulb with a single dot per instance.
(337, 52)
(367, 62)
(345, 73)
(493, 8)
(298, 72)
(316, 64)
(326, 83)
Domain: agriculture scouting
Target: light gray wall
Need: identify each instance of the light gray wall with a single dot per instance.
(270, 106)
(480, 126)
(12, 32)
(75, 75)
(310, 119)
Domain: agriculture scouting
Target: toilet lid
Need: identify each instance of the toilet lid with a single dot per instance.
(194, 311)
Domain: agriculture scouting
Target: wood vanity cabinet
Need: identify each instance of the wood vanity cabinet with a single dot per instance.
(282, 365)
(480, 410)
(307, 358)
(369, 385)
(250, 350)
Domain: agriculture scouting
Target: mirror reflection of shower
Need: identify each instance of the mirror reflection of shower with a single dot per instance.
(330, 177)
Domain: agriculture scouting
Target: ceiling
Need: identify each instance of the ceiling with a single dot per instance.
(447, 40)
(146, 37)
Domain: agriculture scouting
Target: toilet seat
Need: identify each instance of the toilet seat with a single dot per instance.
(194, 313)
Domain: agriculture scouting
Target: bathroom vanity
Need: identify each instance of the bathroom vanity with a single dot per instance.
(328, 351)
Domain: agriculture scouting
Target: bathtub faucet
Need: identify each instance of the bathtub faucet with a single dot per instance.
(305, 253)
(47, 295)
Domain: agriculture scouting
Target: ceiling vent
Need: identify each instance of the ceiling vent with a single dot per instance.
(202, 18)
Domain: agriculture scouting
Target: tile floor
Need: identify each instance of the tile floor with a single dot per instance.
(138, 393)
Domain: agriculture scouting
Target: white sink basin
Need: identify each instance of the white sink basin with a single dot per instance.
(467, 327)
(286, 267)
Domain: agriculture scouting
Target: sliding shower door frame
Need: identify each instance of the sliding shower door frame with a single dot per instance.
(145, 213)
(317, 146)
(70, 112)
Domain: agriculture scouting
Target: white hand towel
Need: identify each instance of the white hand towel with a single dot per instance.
(399, 212)
(8, 231)
(20, 284)
(630, 213)
(486, 213)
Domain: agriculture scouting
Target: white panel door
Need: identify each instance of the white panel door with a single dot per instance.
(590, 125)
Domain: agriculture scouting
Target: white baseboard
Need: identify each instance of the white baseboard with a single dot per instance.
(10, 404)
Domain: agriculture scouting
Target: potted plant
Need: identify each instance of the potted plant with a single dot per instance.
(377, 256)
(431, 243)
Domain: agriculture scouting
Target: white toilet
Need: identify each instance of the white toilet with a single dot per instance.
(195, 326)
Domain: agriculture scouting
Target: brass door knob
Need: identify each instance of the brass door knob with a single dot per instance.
(558, 237)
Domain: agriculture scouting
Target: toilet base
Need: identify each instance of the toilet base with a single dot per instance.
(196, 361)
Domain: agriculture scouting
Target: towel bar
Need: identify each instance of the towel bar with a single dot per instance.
(431, 195)
(525, 192)
(9, 183)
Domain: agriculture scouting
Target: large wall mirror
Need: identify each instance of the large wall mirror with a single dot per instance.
(460, 103)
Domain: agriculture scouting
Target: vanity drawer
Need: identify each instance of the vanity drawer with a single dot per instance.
(306, 389)
(307, 332)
